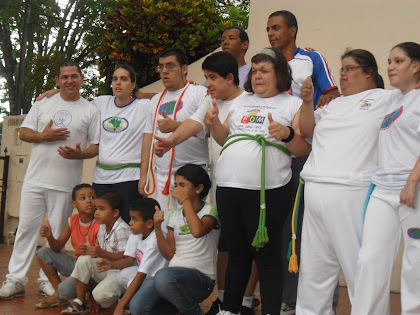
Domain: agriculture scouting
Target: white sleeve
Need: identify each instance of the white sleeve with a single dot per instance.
(131, 247)
(31, 119)
(94, 130)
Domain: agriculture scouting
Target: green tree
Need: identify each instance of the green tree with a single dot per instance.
(138, 30)
(56, 32)
(236, 11)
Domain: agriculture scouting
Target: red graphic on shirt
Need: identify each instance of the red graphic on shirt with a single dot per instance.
(139, 256)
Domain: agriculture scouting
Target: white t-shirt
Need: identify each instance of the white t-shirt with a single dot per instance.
(194, 150)
(121, 138)
(191, 252)
(239, 166)
(199, 115)
(399, 141)
(344, 145)
(243, 75)
(147, 254)
(46, 167)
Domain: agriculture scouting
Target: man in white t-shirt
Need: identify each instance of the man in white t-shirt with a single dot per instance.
(167, 110)
(66, 123)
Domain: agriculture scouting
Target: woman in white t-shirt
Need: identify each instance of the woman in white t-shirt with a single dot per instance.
(123, 119)
(190, 246)
(263, 130)
(337, 177)
(394, 206)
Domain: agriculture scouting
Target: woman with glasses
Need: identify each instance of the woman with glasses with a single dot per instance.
(337, 176)
(394, 206)
(252, 176)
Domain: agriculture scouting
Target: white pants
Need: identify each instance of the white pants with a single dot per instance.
(331, 237)
(125, 276)
(35, 201)
(386, 219)
(167, 202)
(108, 289)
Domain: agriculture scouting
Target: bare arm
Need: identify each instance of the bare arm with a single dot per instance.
(198, 227)
(306, 116)
(105, 264)
(47, 135)
(131, 290)
(298, 146)
(55, 244)
(187, 129)
(166, 245)
(408, 193)
(145, 153)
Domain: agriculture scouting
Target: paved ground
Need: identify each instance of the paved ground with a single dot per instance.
(25, 305)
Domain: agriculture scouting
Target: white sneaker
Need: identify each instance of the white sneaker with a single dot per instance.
(222, 312)
(11, 289)
(286, 309)
(45, 288)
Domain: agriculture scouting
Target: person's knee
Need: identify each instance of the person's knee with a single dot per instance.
(67, 289)
(137, 307)
(164, 281)
(105, 298)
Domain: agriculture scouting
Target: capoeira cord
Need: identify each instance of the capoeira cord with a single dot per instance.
(116, 167)
(150, 172)
(370, 191)
(291, 254)
(261, 236)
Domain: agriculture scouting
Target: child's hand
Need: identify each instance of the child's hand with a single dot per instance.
(94, 251)
(84, 246)
(103, 264)
(158, 218)
(185, 191)
(46, 229)
(307, 90)
(408, 194)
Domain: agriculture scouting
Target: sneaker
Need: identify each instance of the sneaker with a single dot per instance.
(215, 308)
(226, 313)
(247, 310)
(287, 309)
(11, 289)
(45, 288)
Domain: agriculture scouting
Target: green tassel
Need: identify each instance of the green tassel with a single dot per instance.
(289, 252)
(260, 238)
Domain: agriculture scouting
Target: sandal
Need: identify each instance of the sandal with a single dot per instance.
(75, 308)
(44, 303)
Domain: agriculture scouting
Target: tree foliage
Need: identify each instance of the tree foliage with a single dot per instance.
(236, 11)
(138, 30)
(56, 32)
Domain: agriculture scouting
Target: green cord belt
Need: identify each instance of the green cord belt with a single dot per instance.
(116, 167)
(261, 236)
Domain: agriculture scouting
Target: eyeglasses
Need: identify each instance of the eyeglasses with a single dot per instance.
(349, 69)
(168, 66)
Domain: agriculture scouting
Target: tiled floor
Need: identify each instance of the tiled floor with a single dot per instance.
(25, 305)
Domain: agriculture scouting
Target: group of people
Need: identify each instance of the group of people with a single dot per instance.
(264, 119)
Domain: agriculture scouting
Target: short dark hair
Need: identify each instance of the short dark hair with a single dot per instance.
(145, 206)
(290, 18)
(222, 63)
(197, 176)
(411, 49)
(365, 59)
(178, 53)
(242, 34)
(77, 188)
(68, 63)
(113, 197)
(281, 67)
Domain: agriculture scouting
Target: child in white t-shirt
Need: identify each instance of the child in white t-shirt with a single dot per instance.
(191, 246)
(142, 248)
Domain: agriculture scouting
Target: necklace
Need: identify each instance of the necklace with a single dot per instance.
(80, 232)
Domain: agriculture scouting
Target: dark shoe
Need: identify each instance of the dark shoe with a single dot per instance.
(247, 310)
(215, 308)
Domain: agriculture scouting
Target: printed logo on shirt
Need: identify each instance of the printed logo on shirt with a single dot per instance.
(365, 105)
(252, 117)
(139, 256)
(168, 108)
(414, 233)
(62, 118)
(184, 230)
(115, 124)
(390, 118)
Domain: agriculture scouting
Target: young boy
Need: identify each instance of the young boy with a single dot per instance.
(142, 246)
(82, 228)
(111, 241)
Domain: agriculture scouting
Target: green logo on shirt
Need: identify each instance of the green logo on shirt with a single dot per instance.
(184, 230)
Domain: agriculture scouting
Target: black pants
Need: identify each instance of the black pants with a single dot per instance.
(239, 211)
(130, 190)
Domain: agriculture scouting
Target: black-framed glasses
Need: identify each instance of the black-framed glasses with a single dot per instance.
(348, 69)
(168, 66)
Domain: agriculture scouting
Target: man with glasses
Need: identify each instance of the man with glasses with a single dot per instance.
(167, 110)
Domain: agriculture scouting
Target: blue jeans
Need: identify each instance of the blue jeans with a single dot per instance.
(173, 289)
